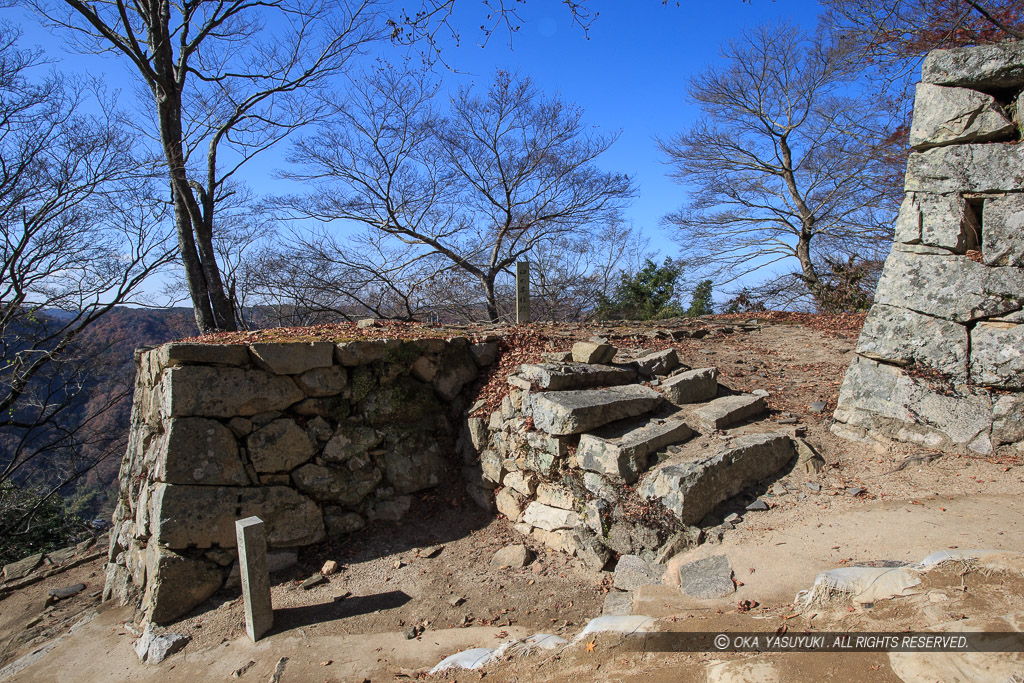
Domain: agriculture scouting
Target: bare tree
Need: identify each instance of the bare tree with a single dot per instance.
(80, 230)
(782, 163)
(495, 179)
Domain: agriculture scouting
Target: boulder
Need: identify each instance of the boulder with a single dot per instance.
(693, 489)
(204, 516)
(389, 510)
(484, 353)
(512, 556)
(567, 376)
(224, 392)
(292, 358)
(177, 584)
(658, 363)
(359, 352)
(350, 441)
(692, 386)
(901, 336)
(199, 451)
(947, 116)
(575, 412)
(1004, 231)
(997, 355)
(327, 381)
(22, 568)
(554, 495)
(937, 221)
(404, 401)
(346, 485)
(279, 446)
(989, 167)
(549, 518)
(983, 67)
(338, 522)
(728, 410)
(456, 369)
(413, 460)
(593, 352)
(510, 503)
(523, 482)
(621, 449)
(478, 433)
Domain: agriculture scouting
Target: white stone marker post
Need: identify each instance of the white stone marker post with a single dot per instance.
(523, 292)
(252, 565)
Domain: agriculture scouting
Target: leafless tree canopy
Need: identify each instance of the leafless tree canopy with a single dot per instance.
(79, 232)
(783, 164)
(454, 196)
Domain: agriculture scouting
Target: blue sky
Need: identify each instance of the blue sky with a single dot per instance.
(629, 76)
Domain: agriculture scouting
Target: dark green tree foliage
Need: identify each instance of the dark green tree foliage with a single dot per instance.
(701, 303)
(35, 523)
(649, 294)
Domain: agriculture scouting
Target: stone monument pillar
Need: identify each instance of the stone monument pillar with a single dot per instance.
(940, 360)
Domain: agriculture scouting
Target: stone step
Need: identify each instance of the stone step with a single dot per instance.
(575, 412)
(658, 363)
(692, 386)
(693, 489)
(568, 376)
(621, 449)
(729, 410)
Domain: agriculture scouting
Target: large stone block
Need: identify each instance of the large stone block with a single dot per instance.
(575, 412)
(184, 353)
(884, 400)
(993, 167)
(224, 392)
(997, 355)
(199, 451)
(456, 368)
(947, 116)
(728, 410)
(897, 335)
(359, 352)
(593, 352)
(323, 381)
(292, 358)
(567, 376)
(692, 386)
(692, 490)
(204, 516)
(176, 584)
(549, 518)
(404, 401)
(279, 446)
(1000, 65)
(350, 441)
(1003, 243)
(1008, 420)
(413, 459)
(622, 449)
(658, 363)
(937, 221)
(950, 287)
(346, 485)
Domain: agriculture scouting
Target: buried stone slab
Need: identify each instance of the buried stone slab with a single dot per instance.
(567, 376)
(708, 578)
(729, 410)
(575, 412)
(692, 490)
(632, 571)
(593, 352)
(692, 386)
(622, 449)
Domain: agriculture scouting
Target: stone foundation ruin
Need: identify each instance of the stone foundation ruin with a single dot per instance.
(940, 359)
(314, 438)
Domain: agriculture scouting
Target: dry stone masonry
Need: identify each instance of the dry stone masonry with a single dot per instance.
(940, 359)
(575, 465)
(313, 438)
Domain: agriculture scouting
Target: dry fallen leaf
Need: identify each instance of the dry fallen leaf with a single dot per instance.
(591, 645)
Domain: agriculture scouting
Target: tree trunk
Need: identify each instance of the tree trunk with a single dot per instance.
(492, 302)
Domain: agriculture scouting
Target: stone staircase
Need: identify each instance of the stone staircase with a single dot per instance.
(578, 447)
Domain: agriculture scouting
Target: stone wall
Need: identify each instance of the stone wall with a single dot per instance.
(314, 438)
(940, 360)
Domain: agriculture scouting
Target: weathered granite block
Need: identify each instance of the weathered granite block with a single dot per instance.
(692, 386)
(224, 392)
(993, 167)
(897, 335)
(292, 358)
(279, 446)
(567, 376)
(199, 451)
(997, 355)
(575, 412)
(728, 410)
(1000, 65)
(622, 449)
(184, 353)
(946, 116)
(938, 221)
(1004, 231)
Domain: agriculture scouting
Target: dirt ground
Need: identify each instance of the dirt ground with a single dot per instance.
(352, 628)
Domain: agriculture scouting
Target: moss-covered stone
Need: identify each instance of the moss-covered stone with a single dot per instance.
(404, 401)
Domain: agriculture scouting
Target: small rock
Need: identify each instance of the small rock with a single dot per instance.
(514, 556)
(330, 567)
(314, 581)
(854, 491)
(365, 323)
(399, 564)
(708, 578)
(760, 392)
(67, 591)
(430, 551)
(456, 601)
(779, 489)
(757, 506)
(814, 486)
(816, 406)
(240, 671)
(732, 519)
(411, 632)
